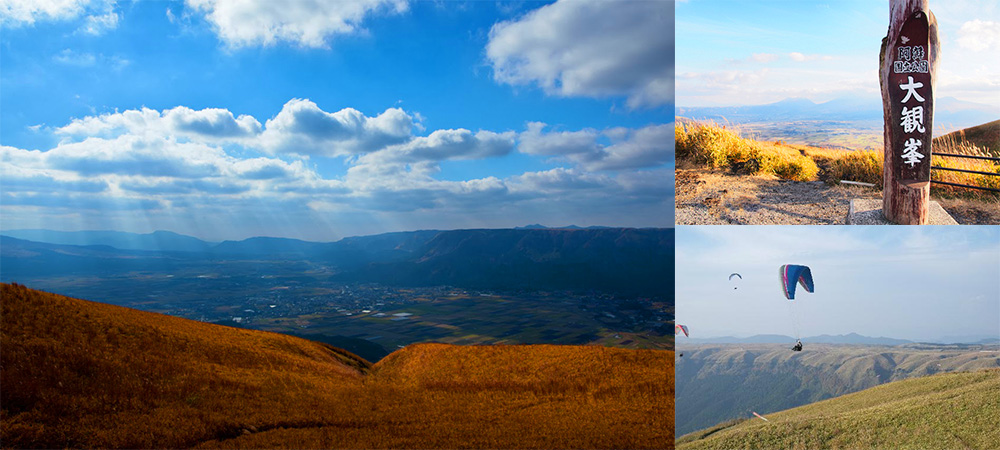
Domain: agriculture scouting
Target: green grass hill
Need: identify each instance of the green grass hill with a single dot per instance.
(945, 411)
(83, 374)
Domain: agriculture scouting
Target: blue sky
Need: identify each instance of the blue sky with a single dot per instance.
(732, 52)
(900, 282)
(319, 120)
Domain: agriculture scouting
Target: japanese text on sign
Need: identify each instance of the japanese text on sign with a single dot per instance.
(911, 60)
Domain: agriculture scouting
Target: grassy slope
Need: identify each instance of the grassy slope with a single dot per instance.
(986, 135)
(955, 410)
(84, 374)
(716, 381)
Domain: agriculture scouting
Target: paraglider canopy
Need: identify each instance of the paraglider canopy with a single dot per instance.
(735, 275)
(792, 274)
(678, 329)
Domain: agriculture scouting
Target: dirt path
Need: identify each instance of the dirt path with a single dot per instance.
(706, 197)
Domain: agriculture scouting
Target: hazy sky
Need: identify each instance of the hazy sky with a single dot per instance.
(733, 52)
(893, 281)
(227, 119)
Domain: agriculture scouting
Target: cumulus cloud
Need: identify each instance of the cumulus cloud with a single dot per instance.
(99, 15)
(562, 143)
(306, 23)
(303, 128)
(590, 49)
(628, 149)
(134, 155)
(182, 162)
(979, 35)
(210, 124)
(98, 24)
(26, 12)
(459, 144)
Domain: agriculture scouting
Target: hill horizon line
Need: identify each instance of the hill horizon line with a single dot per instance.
(848, 338)
(16, 232)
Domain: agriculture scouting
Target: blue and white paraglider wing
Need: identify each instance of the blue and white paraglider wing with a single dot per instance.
(791, 275)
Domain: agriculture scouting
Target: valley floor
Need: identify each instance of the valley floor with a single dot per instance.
(711, 197)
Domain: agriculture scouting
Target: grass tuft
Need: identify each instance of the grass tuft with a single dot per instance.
(721, 148)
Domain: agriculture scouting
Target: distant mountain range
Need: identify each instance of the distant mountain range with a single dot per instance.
(624, 260)
(949, 113)
(850, 338)
(155, 241)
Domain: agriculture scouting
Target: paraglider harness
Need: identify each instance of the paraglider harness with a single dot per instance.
(797, 347)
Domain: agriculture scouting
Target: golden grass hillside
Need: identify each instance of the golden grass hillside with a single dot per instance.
(946, 411)
(84, 374)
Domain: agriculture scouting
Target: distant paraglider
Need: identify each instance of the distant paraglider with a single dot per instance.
(760, 416)
(792, 275)
(737, 276)
(678, 329)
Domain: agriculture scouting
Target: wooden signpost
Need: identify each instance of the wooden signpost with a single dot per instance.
(908, 64)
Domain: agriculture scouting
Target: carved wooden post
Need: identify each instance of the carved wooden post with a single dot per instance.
(908, 63)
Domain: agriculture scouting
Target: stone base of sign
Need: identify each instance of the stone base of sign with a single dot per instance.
(868, 211)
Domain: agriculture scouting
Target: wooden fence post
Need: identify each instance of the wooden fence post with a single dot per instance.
(907, 65)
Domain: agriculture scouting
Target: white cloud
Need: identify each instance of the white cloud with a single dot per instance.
(447, 144)
(98, 24)
(216, 167)
(979, 35)
(560, 143)
(206, 125)
(628, 149)
(303, 128)
(99, 15)
(590, 49)
(26, 12)
(306, 23)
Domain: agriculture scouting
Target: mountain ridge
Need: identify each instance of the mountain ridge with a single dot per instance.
(629, 260)
(718, 382)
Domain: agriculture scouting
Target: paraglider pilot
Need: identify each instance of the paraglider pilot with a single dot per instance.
(798, 346)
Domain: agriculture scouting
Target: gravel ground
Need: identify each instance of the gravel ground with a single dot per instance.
(706, 197)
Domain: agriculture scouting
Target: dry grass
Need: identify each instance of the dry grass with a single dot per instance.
(952, 144)
(721, 148)
(84, 374)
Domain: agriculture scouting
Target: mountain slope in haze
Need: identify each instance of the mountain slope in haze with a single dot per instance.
(84, 374)
(633, 261)
(622, 260)
(954, 410)
(155, 241)
(850, 338)
(724, 381)
(949, 113)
